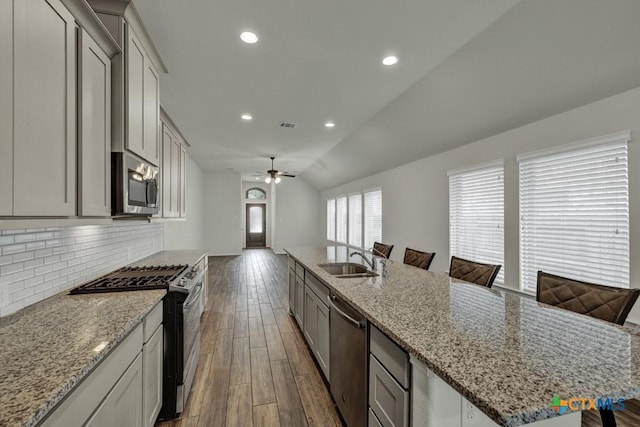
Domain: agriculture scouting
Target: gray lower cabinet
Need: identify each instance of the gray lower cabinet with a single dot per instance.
(123, 404)
(125, 389)
(292, 291)
(316, 321)
(299, 305)
(152, 354)
(389, 381)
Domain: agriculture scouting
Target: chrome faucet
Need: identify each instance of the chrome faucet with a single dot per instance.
(371, 263)
(385, 273)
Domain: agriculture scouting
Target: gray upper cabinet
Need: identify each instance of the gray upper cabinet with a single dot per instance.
(94, 139)
(173, 169)
(6, 108)
(183, 182)
(135, 94)
(170, 173)
(143, 101)
(55, 111)
(151, 117)
(136, 82)
(44, 110)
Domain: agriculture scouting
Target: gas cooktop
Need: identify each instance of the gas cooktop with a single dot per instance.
(132, 279)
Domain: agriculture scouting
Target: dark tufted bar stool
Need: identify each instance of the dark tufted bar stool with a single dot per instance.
(474, 272)
(418, 258)
(382, 249)
(602, 302)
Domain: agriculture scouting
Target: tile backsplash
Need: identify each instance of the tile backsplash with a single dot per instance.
(38, 263)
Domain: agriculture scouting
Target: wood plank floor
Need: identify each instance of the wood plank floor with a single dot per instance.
(255, 368)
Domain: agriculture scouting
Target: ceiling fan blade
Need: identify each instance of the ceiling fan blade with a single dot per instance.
(288, 175)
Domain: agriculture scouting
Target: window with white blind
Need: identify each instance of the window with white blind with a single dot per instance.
(372, 218)
(331, 219)
(341, 219)
(355, 220)
(574, 212)
(476, 214)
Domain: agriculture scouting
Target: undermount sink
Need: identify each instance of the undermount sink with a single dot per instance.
(346, 270)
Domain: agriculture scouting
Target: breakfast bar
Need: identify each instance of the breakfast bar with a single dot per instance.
(507, 355)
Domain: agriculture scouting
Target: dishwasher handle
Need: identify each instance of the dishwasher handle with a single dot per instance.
(356, 323)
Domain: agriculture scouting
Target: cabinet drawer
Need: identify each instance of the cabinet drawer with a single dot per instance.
(392, 357)
(152, 321)
(317, 287)
(292, 264)
(387, 399)
(300, 270)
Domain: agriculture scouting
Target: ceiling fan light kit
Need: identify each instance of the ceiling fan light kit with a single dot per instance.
(275, 175)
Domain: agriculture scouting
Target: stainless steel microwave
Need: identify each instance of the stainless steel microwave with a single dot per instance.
(135, 189)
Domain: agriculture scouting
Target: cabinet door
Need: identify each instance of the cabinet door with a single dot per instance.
(310, 318)
(152, 354)
(151, 114)
(170, 173)
(183, 182)
(44, 152)
(135, 73)
(299, 301)
(94, 142)
(6, 107)
(123, 404)
(292, 292)
(322, 339)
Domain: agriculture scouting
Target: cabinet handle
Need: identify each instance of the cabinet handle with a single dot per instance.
(357, 324)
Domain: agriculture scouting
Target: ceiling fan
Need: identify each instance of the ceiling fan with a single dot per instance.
(275, 175)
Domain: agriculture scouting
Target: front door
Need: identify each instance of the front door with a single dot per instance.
(256, 226)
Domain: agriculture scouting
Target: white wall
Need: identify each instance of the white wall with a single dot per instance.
(298, 213)
(187, 234)
(222, 229)
(267, 202)
(416, 200)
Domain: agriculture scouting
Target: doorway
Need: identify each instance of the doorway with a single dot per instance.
(256, 225)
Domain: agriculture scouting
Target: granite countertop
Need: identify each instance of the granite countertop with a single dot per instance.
(49, 347)
(506, 354)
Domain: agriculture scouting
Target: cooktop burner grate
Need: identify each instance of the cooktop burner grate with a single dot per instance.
(132, 279)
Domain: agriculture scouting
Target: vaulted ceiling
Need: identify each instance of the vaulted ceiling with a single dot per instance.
(467, 69)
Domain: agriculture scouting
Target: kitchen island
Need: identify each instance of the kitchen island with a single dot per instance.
(507, 355)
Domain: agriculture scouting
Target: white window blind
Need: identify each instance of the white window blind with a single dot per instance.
(341, 219)
(331, 219)
(355, 220)
(372, 217)
(476, 215)
(574, 213)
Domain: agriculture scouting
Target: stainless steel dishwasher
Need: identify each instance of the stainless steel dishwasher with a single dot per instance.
(348, 361)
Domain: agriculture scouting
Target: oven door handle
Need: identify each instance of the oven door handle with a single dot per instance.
(195, 296)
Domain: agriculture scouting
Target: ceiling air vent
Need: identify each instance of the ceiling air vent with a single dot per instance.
(287, 125)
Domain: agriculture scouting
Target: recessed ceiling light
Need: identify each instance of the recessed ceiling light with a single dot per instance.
(249, 37)
(329, 125)
(390, 60)
(246, 117)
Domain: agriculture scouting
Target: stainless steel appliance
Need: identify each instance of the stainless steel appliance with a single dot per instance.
(348, 360)
(135, 189)
(182, 307)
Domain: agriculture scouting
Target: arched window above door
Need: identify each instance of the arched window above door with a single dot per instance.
(256, 193)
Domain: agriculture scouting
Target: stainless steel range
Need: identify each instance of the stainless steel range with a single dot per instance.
(182, 307)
